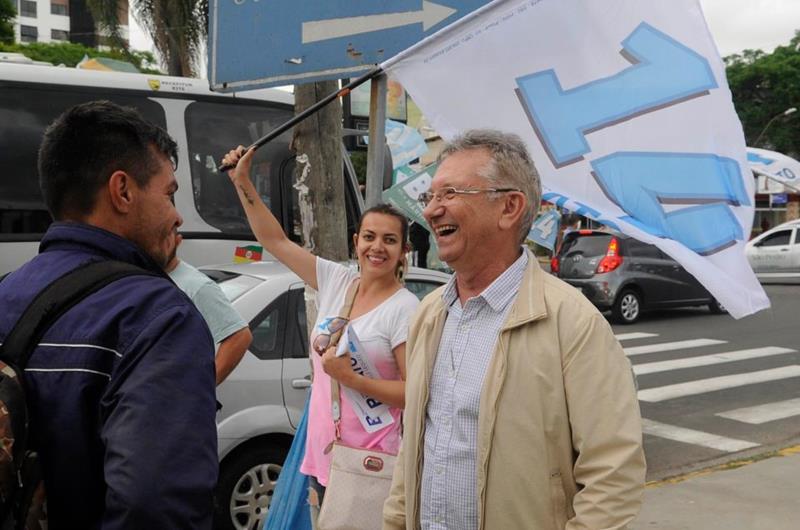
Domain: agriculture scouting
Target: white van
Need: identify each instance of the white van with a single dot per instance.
(205, 125)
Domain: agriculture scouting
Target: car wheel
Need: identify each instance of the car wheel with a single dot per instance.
(628, 307)
(246, 484)
(715, 307)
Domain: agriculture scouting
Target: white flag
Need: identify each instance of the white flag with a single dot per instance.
(776, 166)
(626, 110)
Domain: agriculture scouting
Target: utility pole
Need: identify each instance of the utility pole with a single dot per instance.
(318, 180)
(318, 172)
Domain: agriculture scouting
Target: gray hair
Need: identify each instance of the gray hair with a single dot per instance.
(511, 167)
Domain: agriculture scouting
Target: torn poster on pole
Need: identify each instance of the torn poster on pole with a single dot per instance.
(626, 110)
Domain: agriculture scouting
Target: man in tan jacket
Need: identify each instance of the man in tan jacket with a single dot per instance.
(521, 411)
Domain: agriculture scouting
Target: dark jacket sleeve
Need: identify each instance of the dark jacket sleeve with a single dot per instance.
(159, 427)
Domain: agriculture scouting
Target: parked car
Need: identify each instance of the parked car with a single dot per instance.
(263, 398)
(776, 252)
(619, 273)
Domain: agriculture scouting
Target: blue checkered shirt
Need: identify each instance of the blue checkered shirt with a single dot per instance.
(449, 474)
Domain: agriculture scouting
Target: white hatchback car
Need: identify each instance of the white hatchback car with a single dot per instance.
(776, 252)
(263, 398)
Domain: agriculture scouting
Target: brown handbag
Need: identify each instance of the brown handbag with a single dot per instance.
(359, 479)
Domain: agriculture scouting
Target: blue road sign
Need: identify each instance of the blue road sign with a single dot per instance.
(262, 43)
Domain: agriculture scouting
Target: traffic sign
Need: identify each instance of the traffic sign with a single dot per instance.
(262, 43)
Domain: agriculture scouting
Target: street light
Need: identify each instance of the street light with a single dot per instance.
(787, 112)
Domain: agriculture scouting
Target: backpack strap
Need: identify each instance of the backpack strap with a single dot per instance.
(55, 300)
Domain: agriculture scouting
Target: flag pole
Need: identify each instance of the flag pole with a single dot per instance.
(308, 112)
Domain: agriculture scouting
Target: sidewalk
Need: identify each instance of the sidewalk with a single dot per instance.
(759, 495)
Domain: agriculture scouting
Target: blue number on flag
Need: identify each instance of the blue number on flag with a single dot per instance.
(545, 225)
(663, 72)
(758, 159)
(642, 183)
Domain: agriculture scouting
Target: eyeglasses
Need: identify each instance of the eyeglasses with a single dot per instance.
(323, 340)
(449, 193)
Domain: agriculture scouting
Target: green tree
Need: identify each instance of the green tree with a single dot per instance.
(7, 15)
(764, 85)
(178, 28)
(70, 54)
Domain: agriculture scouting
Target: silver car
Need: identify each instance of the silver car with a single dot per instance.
(263, 398)
(776, 252)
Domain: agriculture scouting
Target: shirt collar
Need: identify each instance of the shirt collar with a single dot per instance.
(71, 236)
(501, 291)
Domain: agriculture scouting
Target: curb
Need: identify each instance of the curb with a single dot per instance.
(733, 464)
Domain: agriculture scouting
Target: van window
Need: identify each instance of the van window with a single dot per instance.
(212, 130)
(25, 112)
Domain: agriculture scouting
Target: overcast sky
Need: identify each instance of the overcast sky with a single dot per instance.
(735, 24)
(751, 24)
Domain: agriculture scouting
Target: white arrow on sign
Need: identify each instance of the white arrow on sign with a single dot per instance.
(430, 15)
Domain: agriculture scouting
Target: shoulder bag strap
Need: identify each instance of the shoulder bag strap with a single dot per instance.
(336, 404)
(55, 300)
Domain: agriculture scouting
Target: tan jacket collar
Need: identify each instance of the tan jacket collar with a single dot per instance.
(530, 304)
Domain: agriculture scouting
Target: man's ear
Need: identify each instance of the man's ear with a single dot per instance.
(121, 191)
(514, 205)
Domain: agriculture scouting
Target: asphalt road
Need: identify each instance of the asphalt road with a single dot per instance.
(714, 389)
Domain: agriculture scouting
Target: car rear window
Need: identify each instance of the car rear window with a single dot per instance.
(232, 284)
(585, 244)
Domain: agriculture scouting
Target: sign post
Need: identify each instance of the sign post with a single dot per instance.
(376, 150)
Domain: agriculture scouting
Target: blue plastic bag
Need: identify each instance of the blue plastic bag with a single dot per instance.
(288, 509)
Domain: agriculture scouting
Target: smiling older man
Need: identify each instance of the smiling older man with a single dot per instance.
(520, 407)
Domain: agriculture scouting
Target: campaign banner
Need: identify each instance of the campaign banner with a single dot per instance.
(405, 143)
(776, 166)
(625, 107)
(373, 414)
(544, 230)
(405, 194)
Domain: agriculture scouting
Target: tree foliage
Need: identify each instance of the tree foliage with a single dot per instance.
(70, 54)
(178, 28)
(764, 85)
(7, 14)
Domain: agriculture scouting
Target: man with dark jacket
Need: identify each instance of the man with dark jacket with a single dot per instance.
(121, 388)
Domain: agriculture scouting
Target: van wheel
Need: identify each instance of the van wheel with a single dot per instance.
(246, 484)
(716, 308)
(628, 307)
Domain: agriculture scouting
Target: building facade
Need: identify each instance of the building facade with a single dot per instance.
(61, 21)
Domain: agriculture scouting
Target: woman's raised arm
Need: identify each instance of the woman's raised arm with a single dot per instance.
(266, 228)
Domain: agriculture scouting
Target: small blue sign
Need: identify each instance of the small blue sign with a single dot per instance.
(780, 198)
(254, 44)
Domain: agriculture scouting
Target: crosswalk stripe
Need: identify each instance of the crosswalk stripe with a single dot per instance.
(702, 386)
(633, 336)
(691, 436)
(708, 360)
(764, 413)
(671, 346)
